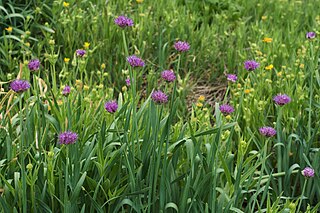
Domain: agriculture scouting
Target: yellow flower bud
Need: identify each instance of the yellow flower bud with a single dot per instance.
(86, 87)
(66, 4)
(86, 45)
(29, 166)
(267, 40)
(199, 104)
(201, 98)
(8, 29)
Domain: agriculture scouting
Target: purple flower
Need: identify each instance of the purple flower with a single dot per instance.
(267, 131)
(232, 77)
(182, 46)
(66, 90)
(310, 35)
(168, 75)
(226, 109)
(123, 21)
(80, 52)
(34, 64)
(251, 65)
(159, 97)
(67, 137)
(281, 99)
(135, 61)
(111, 106)
(128, 82)
(19, 85)
(308, 172)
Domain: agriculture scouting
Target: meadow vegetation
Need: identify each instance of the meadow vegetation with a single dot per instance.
(100, 111)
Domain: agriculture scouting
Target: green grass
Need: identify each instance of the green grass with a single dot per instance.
(159, 158)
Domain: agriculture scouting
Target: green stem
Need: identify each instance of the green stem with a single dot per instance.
(23, 171)
(134, 134)
(311, 91)
(300, 199)
(279, 153)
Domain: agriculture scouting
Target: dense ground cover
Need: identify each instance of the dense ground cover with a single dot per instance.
(93, 129)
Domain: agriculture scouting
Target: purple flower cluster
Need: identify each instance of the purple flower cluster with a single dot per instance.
(310, 35)
(251, 65)
(308, 172)
(281, 99)
(168, 75)
(159, 97)
(34, 64)
(68, 137)
(66, 90)
(267, 131)
(111, 106)
(182, 46)
(135, 61)
(20, 85)
(123, 21)
(80, 52)
(226, 109)
(128, 82)
(232, 77)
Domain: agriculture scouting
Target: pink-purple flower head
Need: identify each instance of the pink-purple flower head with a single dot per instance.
(310, 35)
(128, 82)
(308, 172)
(281, 99)
(226, 109)
(135, 61)
(232, 77)
(159, 97)
(251, 65)
(182, 46)
(168, 75)
(123, 21)
(111, 106)
(68, 137)
(267, 131)
(34, 64)
(20, 86)
(66, 90)
(80, 52)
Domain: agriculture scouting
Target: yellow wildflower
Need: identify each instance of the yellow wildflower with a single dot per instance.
(59, 102)
(201, 98)
(267, 40)
(8, 29)
(66, 60)
(103, 66)
(239, 85)
(86, 45)
(269, 67)
(228, 117)
(247, 91)
(124, 88)
(27, 44)
(199, 104)
(301, 66)
(264, 18)
(139, 1)
(66, 4)
(279, 74)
